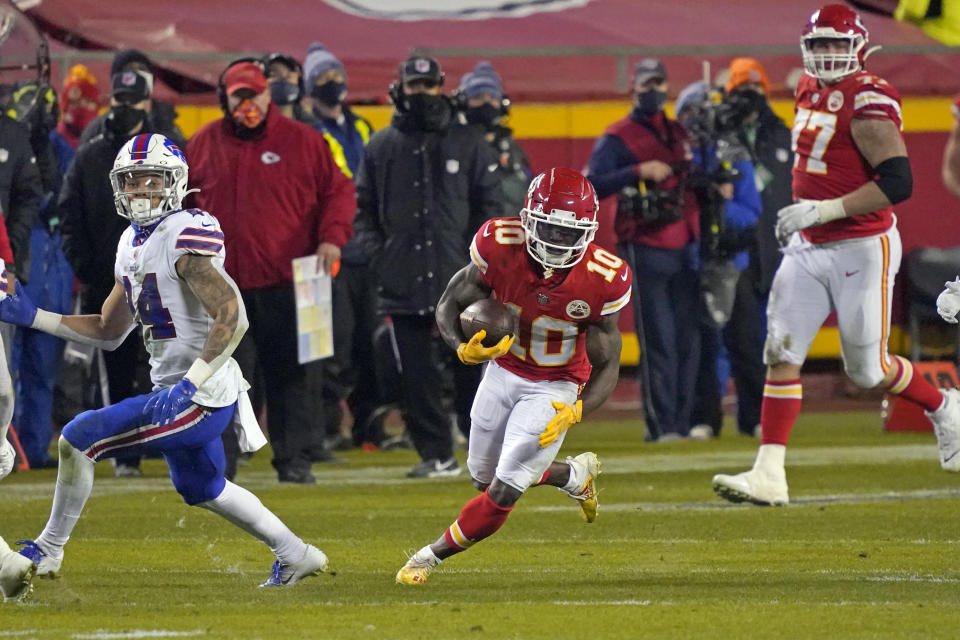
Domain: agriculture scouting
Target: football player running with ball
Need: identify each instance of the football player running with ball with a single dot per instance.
(563, 362)
(841, 249)
(169, 280)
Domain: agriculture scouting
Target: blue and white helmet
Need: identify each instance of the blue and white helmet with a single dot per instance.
(136, 197)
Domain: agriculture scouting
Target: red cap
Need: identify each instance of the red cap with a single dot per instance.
(246, 75)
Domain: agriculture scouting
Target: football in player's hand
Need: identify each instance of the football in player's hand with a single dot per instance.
(492, 316)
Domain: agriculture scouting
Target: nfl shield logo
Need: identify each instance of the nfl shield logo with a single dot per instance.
(421, 65)
(129, 78)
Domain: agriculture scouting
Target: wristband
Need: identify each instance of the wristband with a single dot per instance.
(831, 210)
(199, 372)
(46, 321)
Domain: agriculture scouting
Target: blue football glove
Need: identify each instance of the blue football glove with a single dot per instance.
(173, 401)
(18, 309)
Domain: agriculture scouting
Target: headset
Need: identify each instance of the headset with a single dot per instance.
(222, 90)
(460, 102)
(289, 62)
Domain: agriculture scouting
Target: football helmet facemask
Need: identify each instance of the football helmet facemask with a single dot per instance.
(149, 179)
(834, 22)
(559, 218)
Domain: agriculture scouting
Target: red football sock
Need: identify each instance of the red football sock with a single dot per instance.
(480, 518)
(543, 478)
(780, 408)
(914, 388)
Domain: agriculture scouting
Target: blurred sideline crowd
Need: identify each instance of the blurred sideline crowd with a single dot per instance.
(290, 170)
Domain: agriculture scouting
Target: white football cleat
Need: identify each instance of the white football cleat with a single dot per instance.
(7, 457)
(314, 562)
(417, 569)
(16, 574)
(588, 467)
(946, 424)
(753, 486)
(48, 566)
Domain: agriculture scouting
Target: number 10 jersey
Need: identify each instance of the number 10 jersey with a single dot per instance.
(553, 312)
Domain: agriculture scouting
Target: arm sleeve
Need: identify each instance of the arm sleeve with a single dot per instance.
(611, 166)
(743, 210)
(337, 197)
(617, 293)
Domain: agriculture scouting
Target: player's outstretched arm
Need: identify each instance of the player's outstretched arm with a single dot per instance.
(106, 330)
(218, 294)
(603, 351)
(465, 287)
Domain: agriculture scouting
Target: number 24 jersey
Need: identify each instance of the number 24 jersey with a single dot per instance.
(553, 312)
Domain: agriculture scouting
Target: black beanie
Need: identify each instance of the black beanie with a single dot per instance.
(125, 57)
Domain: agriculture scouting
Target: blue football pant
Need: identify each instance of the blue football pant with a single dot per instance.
(191, 445)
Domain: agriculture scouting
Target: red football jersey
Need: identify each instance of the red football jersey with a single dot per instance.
(554, 312)
(827, 163)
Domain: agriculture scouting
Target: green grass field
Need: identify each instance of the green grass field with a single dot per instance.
(869, 547)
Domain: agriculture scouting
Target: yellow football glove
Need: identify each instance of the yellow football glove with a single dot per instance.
(567, 416)
(474, 352)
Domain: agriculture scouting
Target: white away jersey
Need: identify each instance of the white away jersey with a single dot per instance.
(174, 323)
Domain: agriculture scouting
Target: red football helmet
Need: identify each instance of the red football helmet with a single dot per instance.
(834, 22)
(559, 217)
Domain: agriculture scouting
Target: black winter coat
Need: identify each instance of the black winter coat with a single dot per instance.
(21, 190)
(773, 161)
(421, 196)
(161, 119)
(91, 227)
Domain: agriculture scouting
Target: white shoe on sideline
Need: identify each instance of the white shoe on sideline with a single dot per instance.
(752, 486)
(946, 424)
(701, 432)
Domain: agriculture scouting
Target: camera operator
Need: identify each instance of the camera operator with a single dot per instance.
(644, 158)
(730, 208)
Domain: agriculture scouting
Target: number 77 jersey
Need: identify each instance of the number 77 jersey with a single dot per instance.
(827, 163)
(554, 312)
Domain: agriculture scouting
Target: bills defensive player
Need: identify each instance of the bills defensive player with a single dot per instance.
(563, 362)
(841, 249)
(169, 280)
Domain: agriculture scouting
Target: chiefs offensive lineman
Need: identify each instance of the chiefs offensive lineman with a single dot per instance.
(563, 363)
(841, 249)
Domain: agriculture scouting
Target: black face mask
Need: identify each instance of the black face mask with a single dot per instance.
(330, 93)
(650, 102)
(284, 93)
(428, 112)
(486, 115)
(123, 118)
(746, 101)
